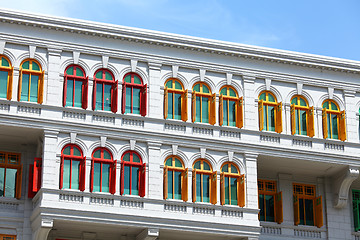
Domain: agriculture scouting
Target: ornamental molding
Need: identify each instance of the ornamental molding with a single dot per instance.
(342, 185)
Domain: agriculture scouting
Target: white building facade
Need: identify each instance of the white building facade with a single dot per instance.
(109, 132)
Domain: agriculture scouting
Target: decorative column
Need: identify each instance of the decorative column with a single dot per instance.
(251, 180)
(250, 109)
(154, 178)
(50, 164)
(52, 87)
(155, 108)
(352, 125)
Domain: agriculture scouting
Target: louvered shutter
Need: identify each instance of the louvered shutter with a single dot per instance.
(221, 110)
(31, 193)
(123, 98)
(311, 131)
(184, 185)
(65, 90)
(261, 114)
(114, 97)
(122, 178)
(214, 187)
(18, 182)
(41, 88)
(61, 172)
(92, 175)
(212, 119)
(318, 212)
(94, 96)
(324, 121)
(19, 85)
(278, 124)
(143, 100)
(296, 211)
(356, 215)
(165, 182)
(278, 207)
(239, 113)
(193, 106)
(82, 175)
(142, 181)
(113, 178)
(37, 176)
(293, 119)
(222, 188)
(166, 103)
(342, 127)
(241, 190)
(85, 91)
(184, 106)
(10, 84)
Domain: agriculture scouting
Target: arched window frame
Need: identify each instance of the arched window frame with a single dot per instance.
(264, 113)
(224, 108)
(170, 93)
(169, 193)
(84, 80)
(329, 126)
(11, 161)
(113, 90)
(6, 85)
(71, 157)
(296, 110)
(268, 193)
(128, 89)
(198, 98)
(212, 182)
(32, 73)
(141, 174)
(225, 179)
(112, 170)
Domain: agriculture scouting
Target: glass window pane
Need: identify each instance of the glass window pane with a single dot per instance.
(177, 184)
(205, 89)
(99, 96)
(301, 210)
(107, 97)
(333, 106)
(232, 93)
(2, 179)
(69, 92)
(262, 207)
(66, 174)
(262, 96)
(271, 98)
(97, 177)
(34, 88)
(206, 166)
(97, 154)
(198, 187)
(178, 163)
(205, 110)
(127, 180)
(99, 75)
(178, 85)
(225, 112)
(105, 178)
(26, 65)
(309, 212)
(108, 76)
(266, 120)
(126, 157)
(198, 109)
(76, 152)
(272, 118)
(197, 165)
(136, 101)
(233, 189)
(233, 169)
(127, 79)
(35, 66)
(136, 158)
(329, 124)
(294, 101)
(3, 83)
(4, 62)
(75, 169)
(66, 151)
(10, 182)
(206, 188)
(79, 72)
(13, 159)
(177, 106)
(197, 88)
(107, 155)
(223, 92)
(70, 71)
(128, 100)
(78, 94)
(270, 207)
(225, 168)
(232, 112)
(168, 162)
(170, 185)
(302, 102)
(297, 121)
(303, 122)
(169, 84)
(170, 106)
(326, 105)
(135, 181)
(227, 190)
(25, 87)
(334, 118)
(137, 80)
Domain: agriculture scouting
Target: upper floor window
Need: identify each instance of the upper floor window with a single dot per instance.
(270, 113)
(134, 95)
(6, 77)
(175, 100)
(133, 174)
(334, 125)
(31, 82)
(203, 104)
(232, 185)
(356, 209)
(307, 207)
(270, 202)
(302, 117)
(105, 91)
(203, 182)
(230, 108)
(175, 179)
(72, 168)
(75, 87)
(103, 171)
(10, 175)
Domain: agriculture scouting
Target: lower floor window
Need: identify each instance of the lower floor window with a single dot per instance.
(10, 175)
(356, 209)
(270, 202)
(7, 237)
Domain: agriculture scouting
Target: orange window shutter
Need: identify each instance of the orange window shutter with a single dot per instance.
(278, 124)
(324, 121)
(10, 84)
(221, 110)
(193, 106)
(342, 123)
(194, 185)
(165, 103)
(296, 211)
(318, 212)
(293, 119)
(213, 109)
(241, 191)
(214, 187)
(261, 115)
(311, 131)
(239, 114)
(19, 85)
(18, 182)
(41, 88)
(279, 208)
(184, 106)
(184, 185)
(165, 181)
(222, 188)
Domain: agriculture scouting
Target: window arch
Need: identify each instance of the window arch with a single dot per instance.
(334, 125)
(103, 171)
(175, 179)
(302, 117)
(105, 91)
(203, 104)
(232, 185)
(6, 78)
(72, 168)
(31, 81)
(75, 87)
(134, 95)
(203, 182)
(10, 175)
(230, 108)
(175, 100)
(132, 174)
(270, 112)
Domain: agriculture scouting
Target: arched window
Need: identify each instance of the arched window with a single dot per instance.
(302, 117)
(132, 174)
(230, 108)
(270, 202)
(72, 168)
(6, 77)
(203, 182)
(134, 95)
(175, 179)
(31, 82)
(75, 87)
(334, 125)
(103, 171)
(105, 91)
(175, 100)
(232, 185)
(270, 113)
(10, 175)
(203, 104)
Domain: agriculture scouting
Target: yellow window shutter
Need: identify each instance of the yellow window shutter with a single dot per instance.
(221, 110)
(184, 106)
(239, 113)
(241, 190)
(194, 185)
(19, 85)
(278, 124)
(278, 208)
(293, 119)
(41, 88)
(166, 103)
(296, 211)
(318, 212)
(324, 121)
(18, 182)
(10, 84)
(165, 181)
(212, 119)
(184, 185)
(213, 188)
(261, 115)
(311, 131)
(222, 188)
(193, 106)
(342, 123)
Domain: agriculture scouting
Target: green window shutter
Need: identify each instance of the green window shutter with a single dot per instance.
(356, 202)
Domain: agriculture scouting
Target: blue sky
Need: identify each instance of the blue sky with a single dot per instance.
(325, 27)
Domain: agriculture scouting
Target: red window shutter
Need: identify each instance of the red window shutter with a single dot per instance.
(85, 93)
(122, 178)
(92, 176)
(142, 181)
(61, 172)
(123, 99)
(65, 90)
(82, 175)
(94, 95)
(31, 193)
(143, 100)
(37, 174)
(113, 178)
(114, 97)
(166, 103)
(194, 185)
